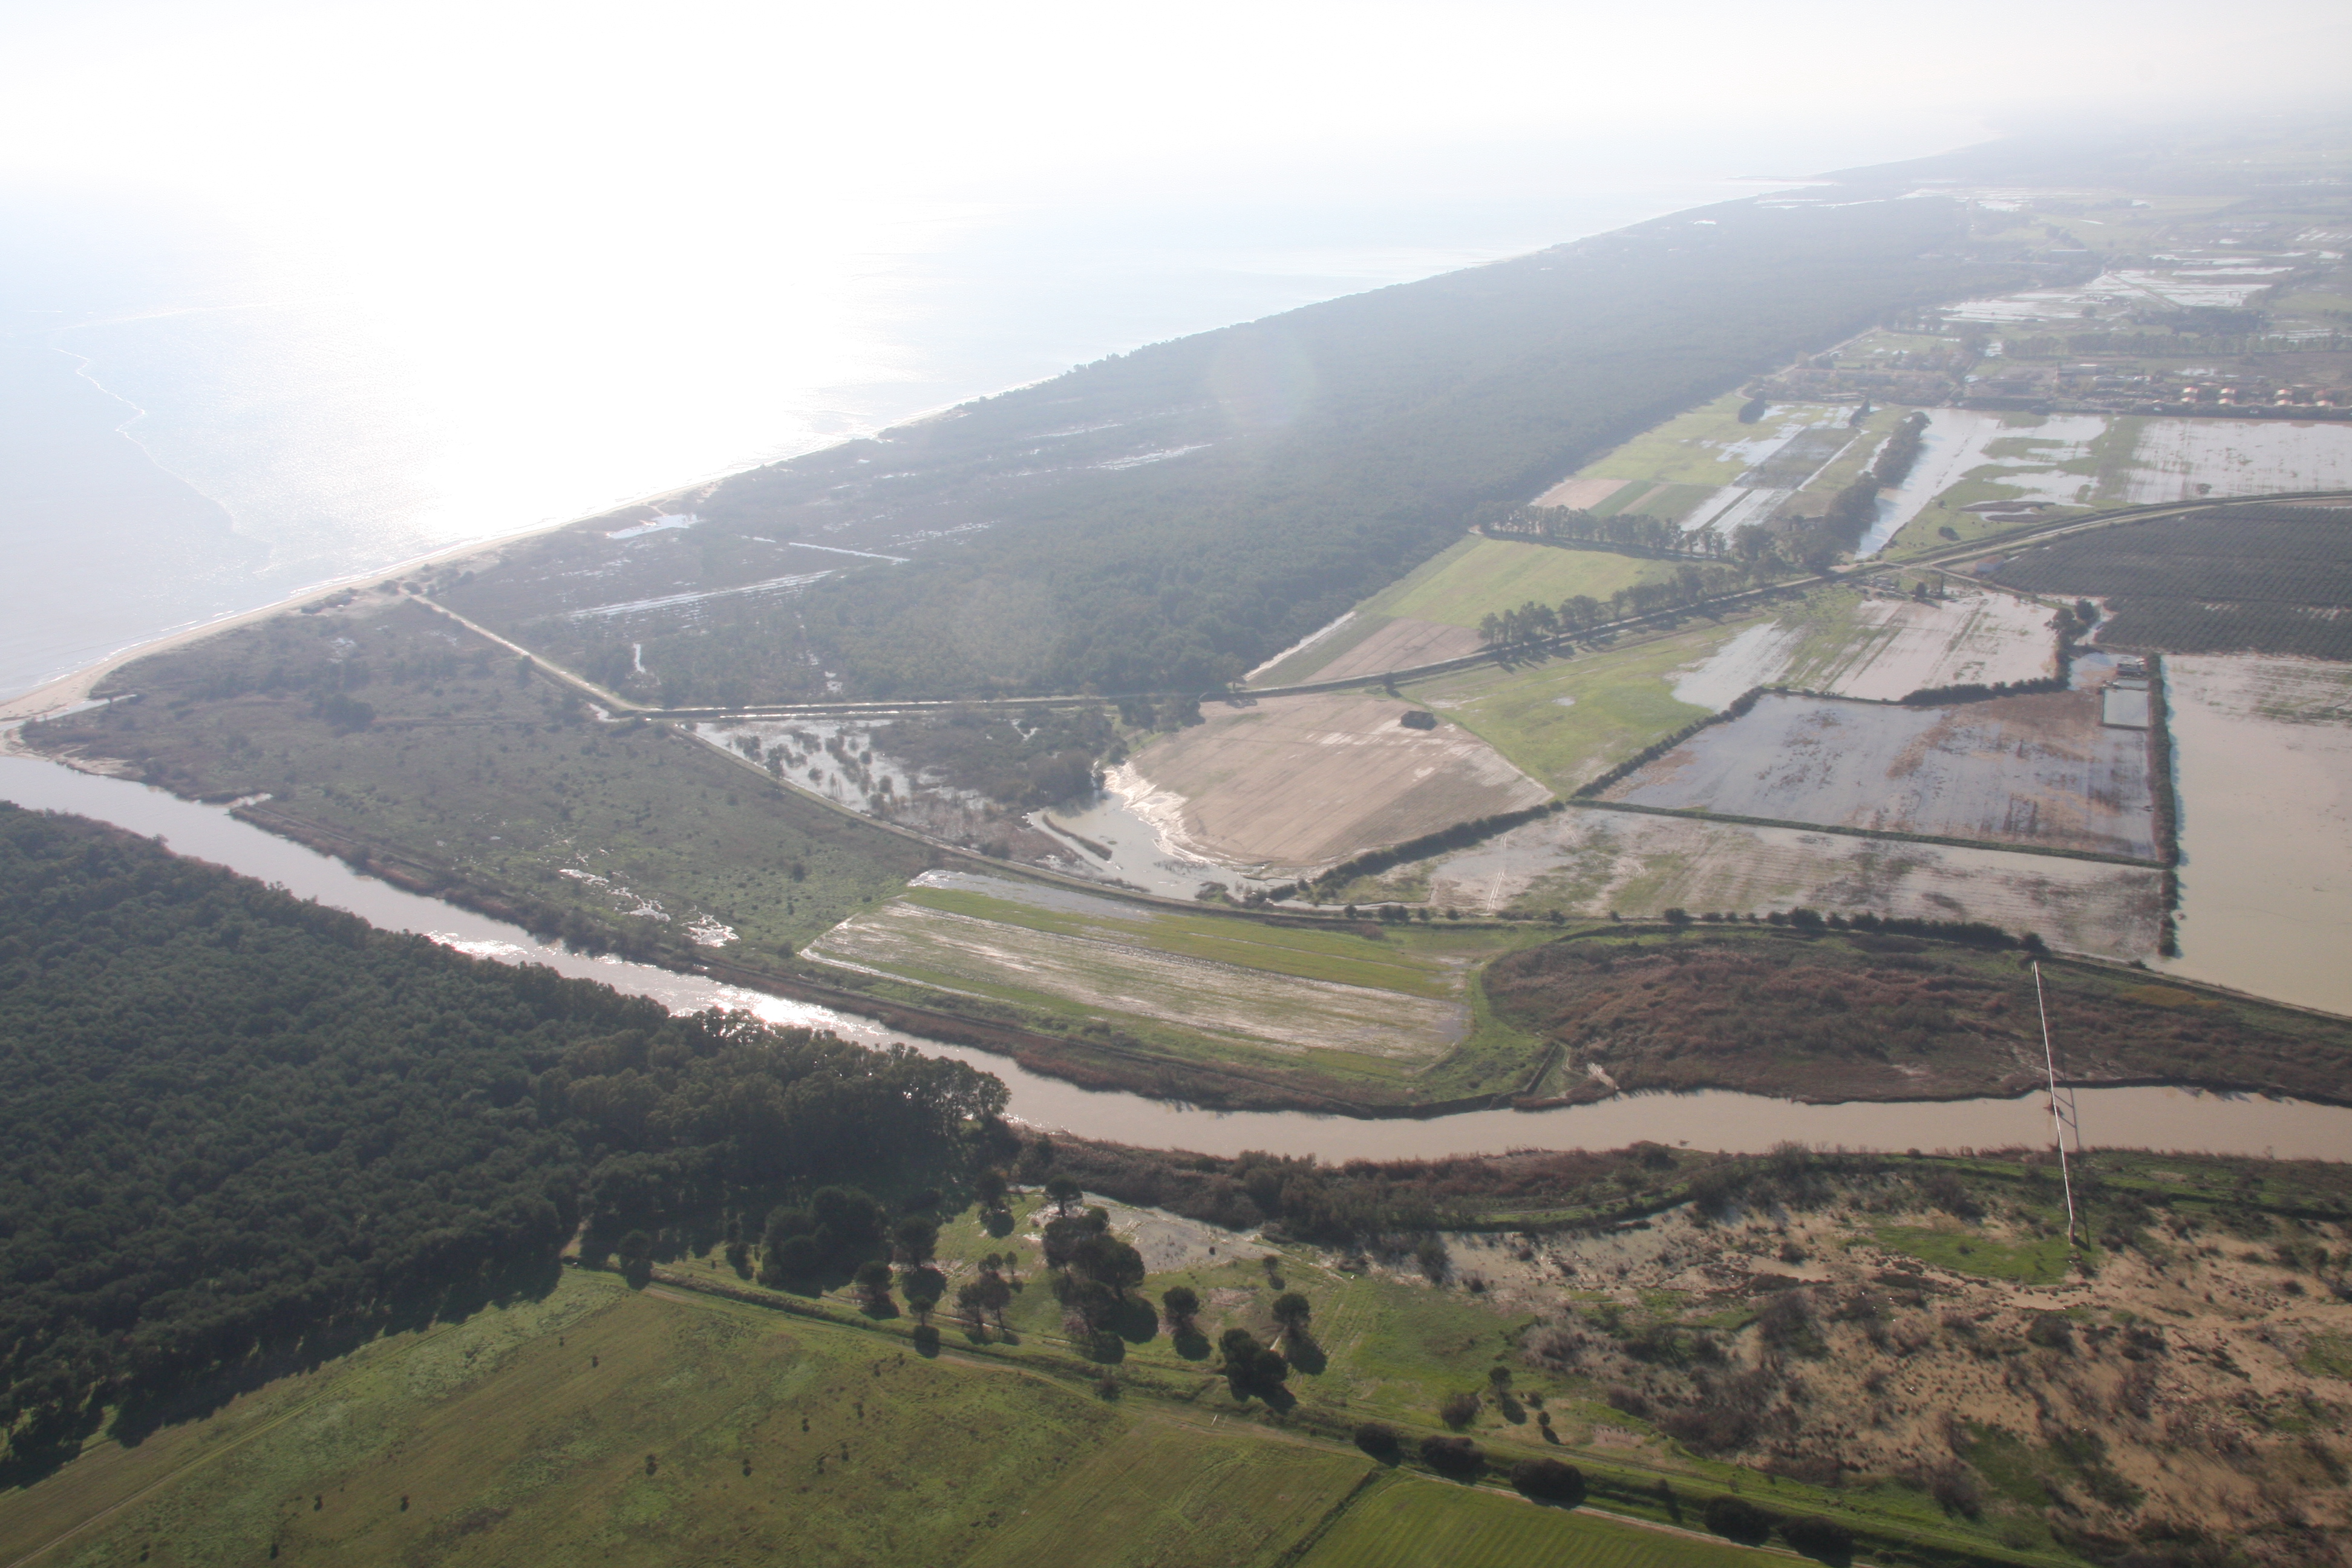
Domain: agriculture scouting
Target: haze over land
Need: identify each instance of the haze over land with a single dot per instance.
(1809, 711)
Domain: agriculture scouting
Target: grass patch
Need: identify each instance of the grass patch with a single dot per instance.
(1164, 1494)
(1565, 720)
(599, 1424)
(2038, 1261)
(1495, 574)
(1410, 1522)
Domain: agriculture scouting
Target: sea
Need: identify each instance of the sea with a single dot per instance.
(202, 414)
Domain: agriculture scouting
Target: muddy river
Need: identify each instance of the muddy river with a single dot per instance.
(2142, 1118)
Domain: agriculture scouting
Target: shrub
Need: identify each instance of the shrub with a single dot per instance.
(1817, 1537)
(1453, 1456)
(1736, 1519)
(1380, 1442)
(1458, 1409)
(1548, 1480)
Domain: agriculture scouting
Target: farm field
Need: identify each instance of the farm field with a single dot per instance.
(1978, 470)
(1291, 784)
(672, 1431)
(1882, 645)
(1587, 862)
(2037, 769)
(1854, 1015)
(1164, 1495)
(2254, 579)
(1432, 612)
(1402, 1000)
(1563, 720)
(2265, 749)
(1414, 1520)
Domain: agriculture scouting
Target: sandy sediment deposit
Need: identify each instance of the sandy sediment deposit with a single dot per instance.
(1301, 782)
(1581, 493)
(2266, 778)
(1402, 645)
(2028, 770)
(1588, 862)
(957, 951)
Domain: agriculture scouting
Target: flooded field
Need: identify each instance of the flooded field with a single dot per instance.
(2023, 459)
(2265, 780)
(1590, 862)
(1885, 646)
(2151, 1118)
(1242, 983)
(2031, 769)
(2182, 460)
(1291, 782)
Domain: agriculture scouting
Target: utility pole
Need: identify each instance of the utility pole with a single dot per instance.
(2057, 1117)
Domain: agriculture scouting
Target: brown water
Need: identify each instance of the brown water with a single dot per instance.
(2136, 1118)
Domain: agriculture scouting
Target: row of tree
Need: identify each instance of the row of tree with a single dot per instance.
(1535, 622)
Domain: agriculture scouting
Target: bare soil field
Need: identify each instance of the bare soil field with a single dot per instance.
(956, 952)
(2265, 779)
(1588, 862)
(1585, 494)
(2029, 770)
(1302, 782)
(1865, 1016)
(1401, 645)
(1886, 647)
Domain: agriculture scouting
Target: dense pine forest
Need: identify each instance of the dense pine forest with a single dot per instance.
(1167, 519)
(230, 1119)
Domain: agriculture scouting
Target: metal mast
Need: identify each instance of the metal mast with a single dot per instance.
(2059, 1117)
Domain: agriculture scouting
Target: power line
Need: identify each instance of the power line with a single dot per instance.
(2060, 1116)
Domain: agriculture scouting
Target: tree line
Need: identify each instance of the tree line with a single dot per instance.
(1535, 622)
(231, 1120)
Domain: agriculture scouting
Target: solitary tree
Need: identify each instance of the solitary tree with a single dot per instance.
(1180, 1304)
(1065, 1191)
(914, 1238)
(989, 1185)
(873, 1281)
(922, 1287)
(1291, 1310)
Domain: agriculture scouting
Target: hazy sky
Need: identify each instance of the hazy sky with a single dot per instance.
(570, 113)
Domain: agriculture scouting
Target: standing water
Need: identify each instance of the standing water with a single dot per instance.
(2156, 1118)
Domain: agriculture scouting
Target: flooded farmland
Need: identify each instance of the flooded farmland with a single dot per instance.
(2038, 769)
(1590, 862)
(2152, 1117)
(2265, 781)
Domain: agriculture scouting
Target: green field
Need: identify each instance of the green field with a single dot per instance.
(597, 1423)
(1695, 447)
(1564, 720)
(1484, 577)
(1413, 1522)
(1163, 1495)
(2045, 1261)
(1387, 1010)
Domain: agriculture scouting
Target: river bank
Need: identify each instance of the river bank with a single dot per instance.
(2147, 1117)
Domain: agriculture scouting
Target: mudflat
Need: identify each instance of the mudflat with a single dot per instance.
(2039, 769)
(1301, 782)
